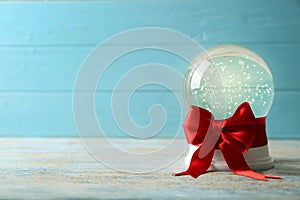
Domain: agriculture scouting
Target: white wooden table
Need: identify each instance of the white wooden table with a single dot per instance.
(51, 168)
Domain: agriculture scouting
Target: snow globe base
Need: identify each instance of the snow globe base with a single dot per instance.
(258, 158)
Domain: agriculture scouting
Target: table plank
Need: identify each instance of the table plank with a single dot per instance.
(51, 168)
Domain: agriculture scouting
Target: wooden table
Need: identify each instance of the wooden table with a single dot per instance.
(51, 168)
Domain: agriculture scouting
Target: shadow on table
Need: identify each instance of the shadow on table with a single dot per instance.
(287, 166)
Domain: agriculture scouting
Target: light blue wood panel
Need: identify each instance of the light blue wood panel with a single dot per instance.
(36, 114)
(40, 68)
(89, 22)
(283, 119)
(50, 114)
(55, 68)
(42, 45)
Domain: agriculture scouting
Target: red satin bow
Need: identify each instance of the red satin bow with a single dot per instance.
(235, 136)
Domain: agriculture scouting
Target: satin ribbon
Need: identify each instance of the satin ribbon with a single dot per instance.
(235, 136)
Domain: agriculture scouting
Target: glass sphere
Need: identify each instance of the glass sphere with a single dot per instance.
(225, 76)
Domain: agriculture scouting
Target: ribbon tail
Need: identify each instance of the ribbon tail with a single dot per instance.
(238, 165)
(198, 165)
(251, 174)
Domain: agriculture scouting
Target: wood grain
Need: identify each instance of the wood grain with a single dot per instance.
(60, 168)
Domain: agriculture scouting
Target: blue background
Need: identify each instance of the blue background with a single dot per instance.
(42, 45)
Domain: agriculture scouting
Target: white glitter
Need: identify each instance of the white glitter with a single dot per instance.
(241, 62)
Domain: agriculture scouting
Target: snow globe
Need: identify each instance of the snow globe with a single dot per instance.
(220, 80)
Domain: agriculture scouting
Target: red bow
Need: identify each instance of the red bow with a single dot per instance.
(234, 137)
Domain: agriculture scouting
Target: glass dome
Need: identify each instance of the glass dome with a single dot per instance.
(225, 76)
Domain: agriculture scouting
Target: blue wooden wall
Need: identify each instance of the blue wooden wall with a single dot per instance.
(42, 45)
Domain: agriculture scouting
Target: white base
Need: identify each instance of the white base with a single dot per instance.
(257, 158)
